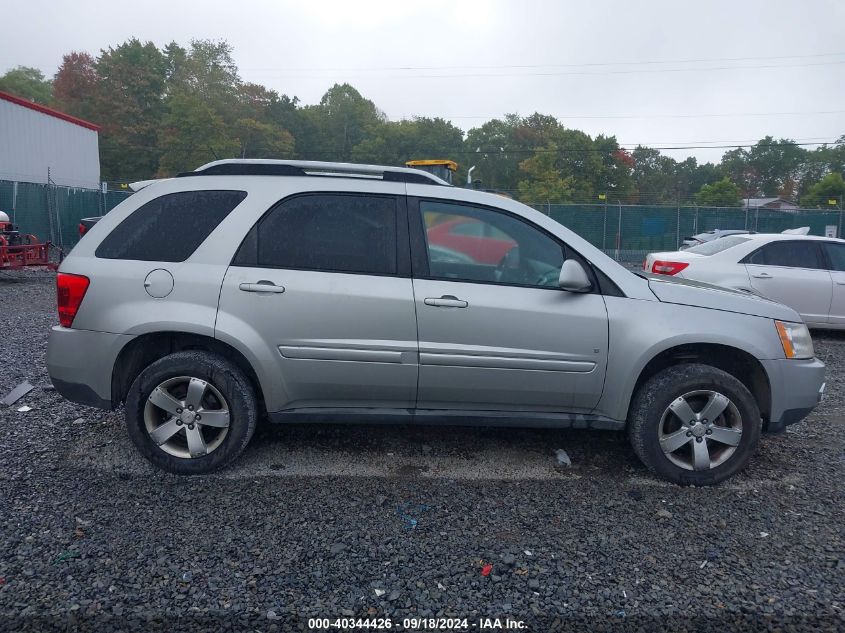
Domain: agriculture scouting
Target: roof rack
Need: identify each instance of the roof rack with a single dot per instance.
(268, 167)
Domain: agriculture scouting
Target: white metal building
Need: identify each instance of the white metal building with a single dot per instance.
(36, 140)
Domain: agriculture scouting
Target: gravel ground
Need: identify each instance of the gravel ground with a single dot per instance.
(397, 522)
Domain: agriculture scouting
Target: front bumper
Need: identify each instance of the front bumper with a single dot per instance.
(797, 387)
(80, 364)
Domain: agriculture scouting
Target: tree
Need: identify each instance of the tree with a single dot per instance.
(192, 134)
(129, 104)
(74, 84)
(544, 182)
(653, 175)
(394, 142)
(496, 153)
(831, 187)
(342, 120)
(263, 140)
(208, 71)
(27, 83)
(722, 193)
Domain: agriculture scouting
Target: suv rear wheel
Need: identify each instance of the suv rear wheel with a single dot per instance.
(191, 412)
(694, 424)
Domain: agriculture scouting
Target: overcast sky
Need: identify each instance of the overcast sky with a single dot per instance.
(653, 72)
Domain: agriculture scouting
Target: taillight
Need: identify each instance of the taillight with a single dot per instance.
(82, 229)
(70, 289)
(668, 268)
(645, 264)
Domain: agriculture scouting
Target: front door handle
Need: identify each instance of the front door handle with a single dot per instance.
(762, 276)
(446, 301)
(262, 286)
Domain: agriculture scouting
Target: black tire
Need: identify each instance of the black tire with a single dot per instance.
(226, 378)
(658, 392)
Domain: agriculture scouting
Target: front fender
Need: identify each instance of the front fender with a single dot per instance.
(640, 331)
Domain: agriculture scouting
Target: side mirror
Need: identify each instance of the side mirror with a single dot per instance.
(573, 277)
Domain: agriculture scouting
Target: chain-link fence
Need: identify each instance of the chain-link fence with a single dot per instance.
(52, 213)
(628, 232)
(625, 232)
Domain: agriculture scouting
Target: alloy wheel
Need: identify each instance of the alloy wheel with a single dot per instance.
(700, 430)
(186, 417)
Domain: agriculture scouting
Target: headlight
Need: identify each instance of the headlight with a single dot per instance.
(795, 338)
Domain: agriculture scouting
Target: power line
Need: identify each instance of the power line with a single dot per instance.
(528, 66)
(563, 73)
(656, 116)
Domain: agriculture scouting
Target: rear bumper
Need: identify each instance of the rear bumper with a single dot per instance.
(80, 364)
(797, 388)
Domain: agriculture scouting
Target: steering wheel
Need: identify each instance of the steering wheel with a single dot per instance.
(512, 268)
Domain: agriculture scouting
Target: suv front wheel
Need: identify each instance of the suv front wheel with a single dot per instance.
(191, 412)
(694, 424)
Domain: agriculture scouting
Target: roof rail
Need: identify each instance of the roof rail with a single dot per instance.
(268, 167)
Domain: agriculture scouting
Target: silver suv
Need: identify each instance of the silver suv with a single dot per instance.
(319, 291)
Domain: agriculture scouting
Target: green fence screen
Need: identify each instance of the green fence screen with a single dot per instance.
(625, 232)
(52, 213)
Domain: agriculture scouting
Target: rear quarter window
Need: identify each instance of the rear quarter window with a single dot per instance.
(169, 228)
(717, 246)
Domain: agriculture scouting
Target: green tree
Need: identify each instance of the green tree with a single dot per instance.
(495, 152)
(394, 142)
(543, 182)
(342, 120)
(768, 168)
(263, 140)
(27, 83)
(129, 105)
(654, 176)
(831, 187)
(192, 134)
(722, 193)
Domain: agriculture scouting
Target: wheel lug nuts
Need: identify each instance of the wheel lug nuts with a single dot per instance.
(199, 417)
(699, 439)
(689, 433)
(709, 431)
(190, 407)
(178, 410)
(191, 428)
(178, 422)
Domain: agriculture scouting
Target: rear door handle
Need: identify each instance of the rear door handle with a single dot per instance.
(762, 276)
(262, 286)
(446, 301)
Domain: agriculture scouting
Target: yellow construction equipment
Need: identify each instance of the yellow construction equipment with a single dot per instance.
(441, 168)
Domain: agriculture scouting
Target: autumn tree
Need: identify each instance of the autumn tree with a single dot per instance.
(75, 84)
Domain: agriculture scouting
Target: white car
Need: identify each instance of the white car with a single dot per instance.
(805, 272)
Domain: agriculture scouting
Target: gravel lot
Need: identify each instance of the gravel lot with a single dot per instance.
(333, 521)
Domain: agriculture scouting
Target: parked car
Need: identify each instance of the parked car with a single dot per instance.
(709, 236)
(308, 291)
(85, 224)
(805, 272)
(482, 242)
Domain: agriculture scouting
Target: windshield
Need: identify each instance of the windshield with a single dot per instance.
(717, 246)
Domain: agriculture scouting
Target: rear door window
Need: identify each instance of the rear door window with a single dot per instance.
(836, 254)
(169, 228)
(328, 232)
(804, 254)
